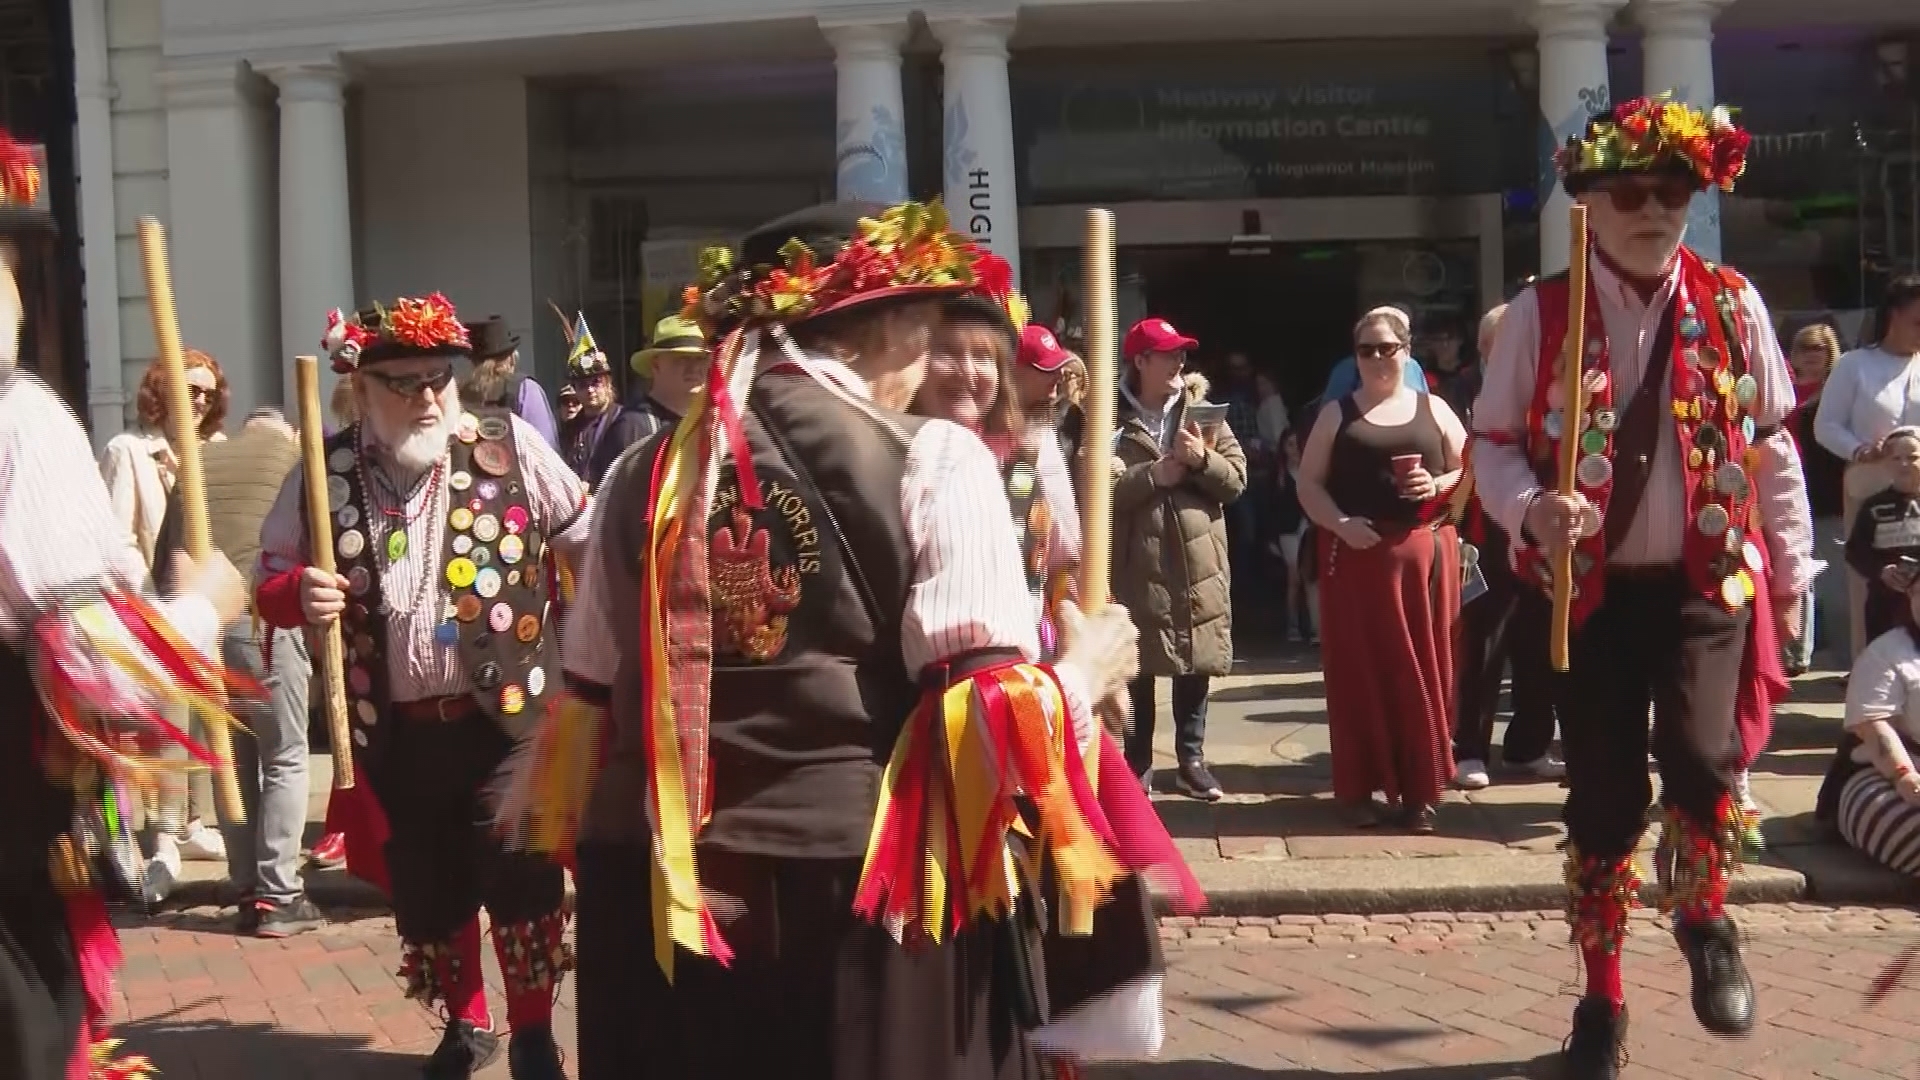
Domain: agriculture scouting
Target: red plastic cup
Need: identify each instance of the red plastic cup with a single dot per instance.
(1404, 464)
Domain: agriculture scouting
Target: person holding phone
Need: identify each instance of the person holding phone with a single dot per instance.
(1375, 476)
(1884, 546)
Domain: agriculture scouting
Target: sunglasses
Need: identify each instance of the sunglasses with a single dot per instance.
(1628, 197)
(198, 394)
(408, 385)
(1368, 350)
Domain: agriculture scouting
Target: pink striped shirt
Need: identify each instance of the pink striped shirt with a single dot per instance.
(1505, 478)
(418, 666)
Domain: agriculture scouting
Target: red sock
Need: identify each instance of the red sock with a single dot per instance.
(467, 995)
(1603, 974)
(533, 957)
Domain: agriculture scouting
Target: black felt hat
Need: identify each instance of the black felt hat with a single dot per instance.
(825, 229)
(492, 338)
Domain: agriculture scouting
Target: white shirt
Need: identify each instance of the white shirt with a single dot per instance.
(59, 536)
(419, 666)
(1505, 478)
(130, 463)
(1870, 392)
(1885, 684)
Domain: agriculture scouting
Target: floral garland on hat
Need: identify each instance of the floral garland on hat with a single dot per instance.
(19, 172)
(410, 323)
(909, 246)
(1646, 132)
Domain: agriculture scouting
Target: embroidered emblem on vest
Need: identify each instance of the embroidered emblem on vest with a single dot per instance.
(753, 597)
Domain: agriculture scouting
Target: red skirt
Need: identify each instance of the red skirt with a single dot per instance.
(1386, 633)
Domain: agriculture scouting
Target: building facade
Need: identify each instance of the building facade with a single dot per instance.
(1275, 165)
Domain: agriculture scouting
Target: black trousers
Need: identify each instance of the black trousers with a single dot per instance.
(445, 862)
(813, 993)
(1189, 721)
(1496, 631)
(1653, 640)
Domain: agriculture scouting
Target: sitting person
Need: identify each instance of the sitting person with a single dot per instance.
(1872, 794)
(1884, 546)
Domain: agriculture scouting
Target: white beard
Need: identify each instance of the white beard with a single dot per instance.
(418, 449)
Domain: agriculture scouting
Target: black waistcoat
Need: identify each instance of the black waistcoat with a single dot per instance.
(492, 586)
(809, 685)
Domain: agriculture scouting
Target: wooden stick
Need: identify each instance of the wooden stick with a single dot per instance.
(1096, 448)
(192, 483)
(313, 461)
(1573, 418)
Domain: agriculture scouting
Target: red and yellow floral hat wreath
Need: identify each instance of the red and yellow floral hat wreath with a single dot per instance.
(1653, 133)
(20, 178)
(410, 326)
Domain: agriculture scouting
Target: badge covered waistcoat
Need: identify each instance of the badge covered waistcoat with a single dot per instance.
(1709, 395)
(492, 581)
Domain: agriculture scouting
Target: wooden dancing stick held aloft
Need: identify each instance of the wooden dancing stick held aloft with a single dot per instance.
(1573, 420)
(1096, 477)
(191, 482)
(313, 463)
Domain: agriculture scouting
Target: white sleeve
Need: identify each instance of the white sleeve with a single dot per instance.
(1502, 475)
(1056, 485)
(1875, 689)
(587, 643)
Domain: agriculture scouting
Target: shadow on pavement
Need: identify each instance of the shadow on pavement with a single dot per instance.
(220, 1049)
(1541, 1068)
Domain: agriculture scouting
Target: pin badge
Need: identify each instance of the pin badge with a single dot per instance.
(1745, 389)
(492, 458)
(360, 738)
(480, 555)
(461, 572)
(446, 635)
(1589, 521)
(1551, 424)
(467, 608)
(486, 582)
(337, 490)
(358, 579)
(1730, 478)
(512, 699)
(486, 528)
(359, 681)
(462, 544)
(341, 460)
(352, 543)
(1593, 440)
(494, 428)
(366, 713)
(468, 428)
(500, 618)
(1712, 519)
(348, 516)
(487, 490)
(1606, 420)
(536, 682)
(460, 480)
(461, 519)
(1594, 471)
(511, 549)
(515, 520)
(396, 545)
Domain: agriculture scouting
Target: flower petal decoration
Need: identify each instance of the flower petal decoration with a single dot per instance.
(426, 323)
(19, 172)
(409, 326)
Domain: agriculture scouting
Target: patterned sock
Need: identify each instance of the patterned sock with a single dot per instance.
(534, 957)
(1601, 895)
(466, 983)
(1703, 858)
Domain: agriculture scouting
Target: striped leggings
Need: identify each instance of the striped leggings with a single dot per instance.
(1875, 820)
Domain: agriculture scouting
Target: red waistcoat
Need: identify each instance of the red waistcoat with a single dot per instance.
(1710, 395)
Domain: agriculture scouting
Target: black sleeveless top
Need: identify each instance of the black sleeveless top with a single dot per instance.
(1360, 468)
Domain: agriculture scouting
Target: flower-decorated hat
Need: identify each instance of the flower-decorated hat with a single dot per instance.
(408, 327)
(831, 258)
(584, 358)
(23, 198)
(1656, 135)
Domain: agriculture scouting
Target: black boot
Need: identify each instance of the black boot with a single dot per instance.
(463, 1051)
(1598, 1046)
(1722, 989)
(532, 1055)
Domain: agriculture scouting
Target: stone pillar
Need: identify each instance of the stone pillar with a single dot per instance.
(870, 135)
(1678, 54)
(316, 225)
(980, 188)
(1573, 86)
(222, 240)
(93, 148)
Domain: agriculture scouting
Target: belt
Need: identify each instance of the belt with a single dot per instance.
(1646, 571)
(444, 709)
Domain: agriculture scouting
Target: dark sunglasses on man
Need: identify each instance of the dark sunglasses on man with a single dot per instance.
(408, 385)
(1629, 194)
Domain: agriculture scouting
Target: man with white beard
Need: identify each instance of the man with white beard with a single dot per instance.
(441, 519)
(72, 737)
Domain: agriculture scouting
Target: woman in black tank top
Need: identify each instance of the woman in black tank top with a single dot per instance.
(1375, 477)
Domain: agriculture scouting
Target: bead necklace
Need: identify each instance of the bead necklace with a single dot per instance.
(400, 519)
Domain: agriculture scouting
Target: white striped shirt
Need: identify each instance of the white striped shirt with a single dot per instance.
(1505, 478)
(59, 537)
(418, 665)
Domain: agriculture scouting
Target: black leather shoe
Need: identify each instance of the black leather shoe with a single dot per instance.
(1598, 1046)
(532, 1055)
(463, 1051)
(1722, 989)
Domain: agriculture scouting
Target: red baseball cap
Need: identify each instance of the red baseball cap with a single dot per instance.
(1040, 350)
(1155, 335)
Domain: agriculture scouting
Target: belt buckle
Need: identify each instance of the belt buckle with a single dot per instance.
(440, 708)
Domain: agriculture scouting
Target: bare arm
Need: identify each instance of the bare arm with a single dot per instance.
(1454, 435)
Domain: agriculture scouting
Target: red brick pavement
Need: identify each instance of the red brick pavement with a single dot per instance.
(1433, 995)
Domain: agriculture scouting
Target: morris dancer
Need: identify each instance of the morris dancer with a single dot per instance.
(87, 664)
(1683, 468)
(441, 518)
(833, 896)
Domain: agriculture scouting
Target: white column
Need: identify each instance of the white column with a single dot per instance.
(978, 136)
(316, 226)
(1678, 55)
(93, 137)
(1573, 86)
(221, 237)
(870, 135)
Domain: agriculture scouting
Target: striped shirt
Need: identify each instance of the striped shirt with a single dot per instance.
(418, 665)
(1505, 478)
(59, 536)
